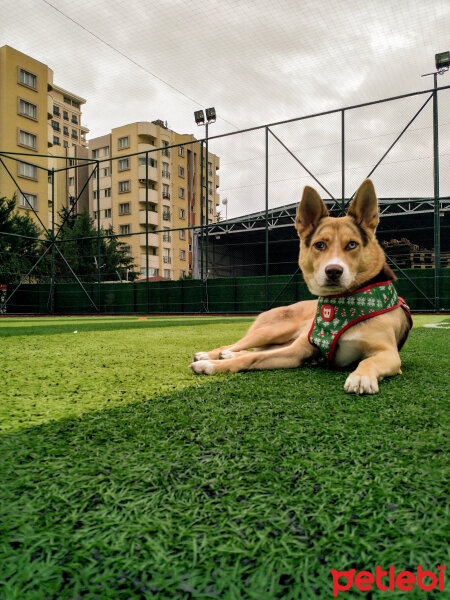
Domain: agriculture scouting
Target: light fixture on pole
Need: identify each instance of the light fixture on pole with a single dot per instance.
(442, 61)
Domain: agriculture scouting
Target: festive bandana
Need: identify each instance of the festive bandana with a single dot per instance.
(335, 314)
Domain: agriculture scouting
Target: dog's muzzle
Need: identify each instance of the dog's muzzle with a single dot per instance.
(333, 273)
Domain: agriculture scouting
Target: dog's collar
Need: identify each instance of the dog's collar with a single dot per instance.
(336, 313)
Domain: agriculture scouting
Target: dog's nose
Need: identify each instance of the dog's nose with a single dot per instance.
(333, 272)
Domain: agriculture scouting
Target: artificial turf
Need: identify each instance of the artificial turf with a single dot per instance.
(124, 476)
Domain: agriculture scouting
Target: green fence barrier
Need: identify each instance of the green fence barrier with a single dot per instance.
(221, 295)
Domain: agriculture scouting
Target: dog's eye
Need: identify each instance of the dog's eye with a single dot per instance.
(351, 245)
(319, 245)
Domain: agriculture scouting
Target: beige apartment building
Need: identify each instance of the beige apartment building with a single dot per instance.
(38, 118)
(132, 172)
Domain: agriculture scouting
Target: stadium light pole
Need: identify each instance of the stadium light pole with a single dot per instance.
(442, 62)
(204, 119)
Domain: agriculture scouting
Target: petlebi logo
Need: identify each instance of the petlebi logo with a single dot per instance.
(389, 579)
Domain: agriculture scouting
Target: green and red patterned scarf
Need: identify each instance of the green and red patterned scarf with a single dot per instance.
(335, 314)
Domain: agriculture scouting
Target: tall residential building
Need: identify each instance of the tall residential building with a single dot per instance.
(38, 118)
(172, 177)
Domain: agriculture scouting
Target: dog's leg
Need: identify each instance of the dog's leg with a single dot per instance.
(364, 380)
(277, 326)
(287, 357)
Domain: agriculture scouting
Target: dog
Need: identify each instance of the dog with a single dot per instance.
(358, 317)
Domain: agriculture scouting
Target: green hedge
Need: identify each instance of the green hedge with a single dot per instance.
(221, 295)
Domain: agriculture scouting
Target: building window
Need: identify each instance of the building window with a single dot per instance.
(181, 192)
(56, 141)
(71, 180)
(182, 213)
(106, 171)
(74, 134)
(182, 274)
(75, 104)
(151, 272)
(65, 115)
(183, 234)
(67, 100)
(55, 126)
(28, 201)
(107, 192)
(28, 79)
(124, 164)
(107, 213)
(56, 111)
(209, 188)
(181, 151)
(166, 213)
(165, 192)
(124, 186)
(26, 109)
(65, 144)
(151, 161)
(209, 169)
(180, 171)
(210, 207)
(65, 130)
(75, 119)
(125, 229)
(123, 142)
(124, 209)
(182, 254)
(166, 235)
(165, 152)
(96, 153)
(126, 250)
(105, 151)
(165, 170)
(95, 195)
(166, 255)
(28, 171)
(27, 139)
(167, 273)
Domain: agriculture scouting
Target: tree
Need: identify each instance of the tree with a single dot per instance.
(17, 254)
(79, 244)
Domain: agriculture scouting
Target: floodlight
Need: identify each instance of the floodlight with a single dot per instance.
(211, 114)
(442, 61)
(199, 117)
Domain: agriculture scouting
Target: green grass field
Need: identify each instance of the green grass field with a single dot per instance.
(123, 476)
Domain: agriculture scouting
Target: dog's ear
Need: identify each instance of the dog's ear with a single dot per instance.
(364, 206)
(310, 210)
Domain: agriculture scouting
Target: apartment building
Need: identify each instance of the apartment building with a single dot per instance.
(38, 118)
(133, 174)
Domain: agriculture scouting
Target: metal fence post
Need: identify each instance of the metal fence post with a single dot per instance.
(437, 221)
(266, 240)
(99, 243)
(343, 162)
(52, 276)
(147, 283)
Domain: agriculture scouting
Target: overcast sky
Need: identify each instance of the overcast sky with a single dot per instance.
(256, 62)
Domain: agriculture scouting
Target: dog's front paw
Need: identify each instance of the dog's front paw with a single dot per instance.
(226, 354)
(204, 367)
(201, 356)
(360, 384)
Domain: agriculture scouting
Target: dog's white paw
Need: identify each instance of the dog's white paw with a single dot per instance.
(204, 367)
(225, 354)
(360, 384)
(201, 356)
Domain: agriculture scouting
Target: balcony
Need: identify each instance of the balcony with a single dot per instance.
(147, 129)
(152, 173)
(153, 240)
(144, 147)
(152, 195)
(152, 217)
(153, 261)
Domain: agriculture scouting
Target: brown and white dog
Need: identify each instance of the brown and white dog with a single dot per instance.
(339, 257)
